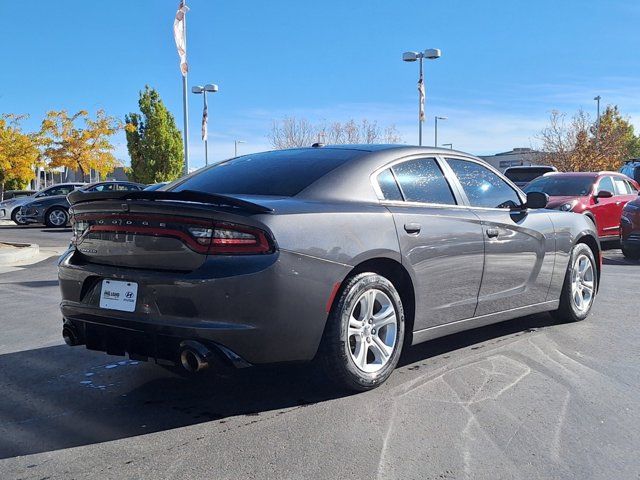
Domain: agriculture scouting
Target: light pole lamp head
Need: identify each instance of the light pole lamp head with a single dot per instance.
(410, 56)
(211, 87)
(442, 118)
(432, 53)
(197, 89)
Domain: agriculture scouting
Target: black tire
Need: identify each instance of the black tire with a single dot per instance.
(14, 217)
(631, 253)
(53, 211)
(568, 311)
(335, 350)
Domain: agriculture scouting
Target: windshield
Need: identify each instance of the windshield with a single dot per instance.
(279, 173)
(561, 185)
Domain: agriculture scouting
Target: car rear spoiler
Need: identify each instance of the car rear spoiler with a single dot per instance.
(79, 196)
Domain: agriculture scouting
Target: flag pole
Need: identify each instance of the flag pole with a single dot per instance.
(185, 103)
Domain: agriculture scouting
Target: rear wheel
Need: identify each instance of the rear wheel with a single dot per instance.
(580, 285)
(364, 334)
(57, 217)
(17, 217)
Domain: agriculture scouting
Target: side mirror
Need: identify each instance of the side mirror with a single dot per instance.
(537, 200)
(604, 194)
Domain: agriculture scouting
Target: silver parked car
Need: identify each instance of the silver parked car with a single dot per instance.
(341, 254)
(10, 209)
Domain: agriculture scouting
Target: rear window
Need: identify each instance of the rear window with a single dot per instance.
(280, 173)
(525, 174)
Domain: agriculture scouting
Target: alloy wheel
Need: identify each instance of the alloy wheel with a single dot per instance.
(372, 333)
(58, 217)
(582, 283)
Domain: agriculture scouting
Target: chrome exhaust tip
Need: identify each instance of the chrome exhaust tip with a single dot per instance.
(70, 336)
(194, 356)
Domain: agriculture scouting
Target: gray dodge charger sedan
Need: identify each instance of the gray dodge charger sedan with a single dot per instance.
(339, 254)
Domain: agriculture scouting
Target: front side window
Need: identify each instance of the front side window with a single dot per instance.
(126, 187)
(482, 186)
(59, 191)
(422, 180)
(606, 184)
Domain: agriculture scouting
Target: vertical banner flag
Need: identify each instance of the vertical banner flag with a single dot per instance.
(180, 36)
(205, 119)
(421, 92)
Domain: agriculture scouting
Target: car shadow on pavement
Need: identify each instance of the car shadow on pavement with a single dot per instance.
(61, 397)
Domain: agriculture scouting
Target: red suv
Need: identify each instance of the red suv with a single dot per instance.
(600, 196)
(630, 229)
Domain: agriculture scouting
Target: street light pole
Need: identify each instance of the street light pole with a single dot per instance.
(430, 54)
(209, 87)
(435, 140)
(235, 145)
(597, 99)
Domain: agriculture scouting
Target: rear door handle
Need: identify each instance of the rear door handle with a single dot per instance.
(492, 232)
(412, 227)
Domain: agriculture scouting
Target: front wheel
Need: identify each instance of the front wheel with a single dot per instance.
(580, 285)
(57, 217)
(364, 334)
(17, 217)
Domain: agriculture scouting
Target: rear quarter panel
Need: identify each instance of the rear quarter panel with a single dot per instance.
(569, 229)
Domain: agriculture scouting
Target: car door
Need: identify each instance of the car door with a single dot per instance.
(519, 243)
(441, 242)
(607, 210)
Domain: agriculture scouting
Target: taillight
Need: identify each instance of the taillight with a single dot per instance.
(230, 238)
(200, 235)
(79, 228)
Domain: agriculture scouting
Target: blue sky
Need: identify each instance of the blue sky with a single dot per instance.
(505, 64)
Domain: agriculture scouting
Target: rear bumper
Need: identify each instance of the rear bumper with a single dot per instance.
(630, 232)
(265, 309)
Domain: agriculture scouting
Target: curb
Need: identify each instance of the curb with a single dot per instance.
(23, 251)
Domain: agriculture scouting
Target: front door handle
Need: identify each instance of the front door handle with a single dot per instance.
(412, 227)
(492, 232)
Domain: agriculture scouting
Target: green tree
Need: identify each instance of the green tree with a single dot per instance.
(153, 140)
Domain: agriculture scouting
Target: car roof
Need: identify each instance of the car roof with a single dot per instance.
(529, 167)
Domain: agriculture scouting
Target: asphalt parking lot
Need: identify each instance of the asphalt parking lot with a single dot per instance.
(522, 399)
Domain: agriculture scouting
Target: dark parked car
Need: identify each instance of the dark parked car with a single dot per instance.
(630, 229)
(53, 210)
(521, 176)
(340, 254)
(10, 209)
(600, 196)
(631, 169)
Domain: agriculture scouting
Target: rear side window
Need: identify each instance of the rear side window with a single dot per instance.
(482, 186)
(622, 186)
(422, 180)
(280, 173)
(388, 186)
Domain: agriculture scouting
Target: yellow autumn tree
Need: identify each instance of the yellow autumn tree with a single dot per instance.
(19, 152)
(80, 142)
